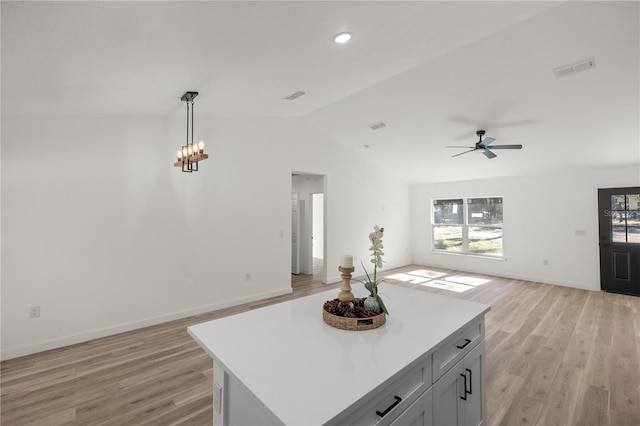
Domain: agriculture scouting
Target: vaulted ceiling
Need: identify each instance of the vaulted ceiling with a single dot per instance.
(433, 72)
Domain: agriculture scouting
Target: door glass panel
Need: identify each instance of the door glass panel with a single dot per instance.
(625, 218)
(617, 202)
(618, 227)
(633, 234)
(633, 218)
(618, 231)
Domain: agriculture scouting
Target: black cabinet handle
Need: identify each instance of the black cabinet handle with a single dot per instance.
(467, 341)
(385, 412)
(470, 383)
(464, 396)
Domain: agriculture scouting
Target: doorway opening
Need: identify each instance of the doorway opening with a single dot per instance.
(308, 230)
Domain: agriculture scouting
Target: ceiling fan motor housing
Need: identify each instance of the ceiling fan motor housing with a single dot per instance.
(483, 146)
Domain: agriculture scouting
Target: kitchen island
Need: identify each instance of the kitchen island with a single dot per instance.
(282, 364)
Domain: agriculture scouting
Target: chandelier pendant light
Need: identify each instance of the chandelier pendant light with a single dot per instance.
(190, 154)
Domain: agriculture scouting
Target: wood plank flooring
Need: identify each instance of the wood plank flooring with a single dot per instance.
(555, 356)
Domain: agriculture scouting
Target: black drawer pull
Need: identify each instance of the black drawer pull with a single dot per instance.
(464, 395)
(470, 383)
(467, 341)
(385, 412)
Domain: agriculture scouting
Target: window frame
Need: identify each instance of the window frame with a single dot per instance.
(465, 226)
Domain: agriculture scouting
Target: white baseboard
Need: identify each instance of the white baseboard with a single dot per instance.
(121, 328)
(333, 280)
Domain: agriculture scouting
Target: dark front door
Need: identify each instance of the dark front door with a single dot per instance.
(619, 214)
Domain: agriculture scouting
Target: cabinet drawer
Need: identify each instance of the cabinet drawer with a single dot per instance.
(456, 347)
(419, 414)
(392, 399)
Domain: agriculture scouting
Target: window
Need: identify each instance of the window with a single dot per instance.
(448, 219)
(478, 231)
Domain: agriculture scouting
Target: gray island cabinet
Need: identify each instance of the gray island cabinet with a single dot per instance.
(282, 365)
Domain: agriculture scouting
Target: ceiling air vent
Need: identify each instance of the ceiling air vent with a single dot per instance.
(376, 126)
(294, 95)
(583, 65)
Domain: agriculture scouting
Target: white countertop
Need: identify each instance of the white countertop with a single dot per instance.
(307, 372)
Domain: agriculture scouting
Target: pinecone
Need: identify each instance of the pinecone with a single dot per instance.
(335, 307)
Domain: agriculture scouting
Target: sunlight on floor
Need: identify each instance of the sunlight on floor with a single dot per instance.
(456, 283)
(406, 278)
(427, 274)
(472, 281)
(444, 285)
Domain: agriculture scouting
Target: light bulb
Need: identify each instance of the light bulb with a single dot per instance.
(201, 146)
(189, 150)
(179, 155)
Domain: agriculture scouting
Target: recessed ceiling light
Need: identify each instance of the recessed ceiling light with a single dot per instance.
(343, 38)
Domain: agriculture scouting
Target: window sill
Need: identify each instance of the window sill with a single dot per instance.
(468, 255)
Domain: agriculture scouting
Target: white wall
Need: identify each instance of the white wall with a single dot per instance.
(105, 235)
(541, 215)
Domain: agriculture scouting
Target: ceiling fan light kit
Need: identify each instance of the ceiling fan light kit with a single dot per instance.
(190, 154)
(484, 146)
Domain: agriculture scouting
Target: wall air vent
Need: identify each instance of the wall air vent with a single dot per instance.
(585, 64)
(294, 95)
(376, 126)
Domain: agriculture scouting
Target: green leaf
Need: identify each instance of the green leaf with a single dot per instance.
(381, 303)
(365, 271)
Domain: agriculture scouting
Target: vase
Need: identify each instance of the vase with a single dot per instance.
(372, 303)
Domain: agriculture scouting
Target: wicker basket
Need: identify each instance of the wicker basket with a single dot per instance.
(355, 324)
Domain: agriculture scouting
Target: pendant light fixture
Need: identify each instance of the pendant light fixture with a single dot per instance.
(191, 153)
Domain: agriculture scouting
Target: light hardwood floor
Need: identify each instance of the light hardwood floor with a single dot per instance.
(555, 356)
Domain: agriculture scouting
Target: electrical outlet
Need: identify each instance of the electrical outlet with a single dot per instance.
(34, 311)
(545, 262)
(247, 276)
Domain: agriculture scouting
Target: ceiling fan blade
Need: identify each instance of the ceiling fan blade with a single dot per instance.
(489, 154)
(464, 152)
(487, 141)
(459, 146)
(505, 147)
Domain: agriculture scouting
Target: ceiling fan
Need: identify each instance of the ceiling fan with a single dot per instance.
(485, 146)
